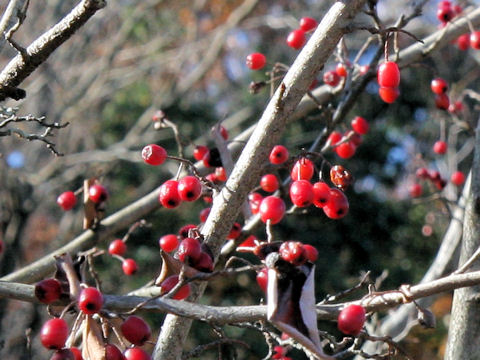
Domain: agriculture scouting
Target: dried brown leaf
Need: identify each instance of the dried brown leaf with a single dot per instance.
(93, 344)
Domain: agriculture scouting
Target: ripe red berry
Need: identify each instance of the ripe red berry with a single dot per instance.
(189, 188)
(189, 247)
(204, 214)
(341, 70)
(203, 263)
(440, 147)
(388, 74)
(415, 190)
(296, 39)
(311, 253)
(331, 78)
(254, 200)
(445, 14)
(269, 183)
(129, 266)
(301, 193)
(278, 155)
(422, 173)
(220, 174)
(154, 154)
(63, 354)
(199, 152)
(439, 86)
(90, 300)
(170, 282)
(262, 279)
(346, 150)
(442, 101)
(334, 138)
(457, 178)
(97, 193)
(308, 23)
(54, 333)
(113, 353)
(136, 354)
(77, 354)
(67, 200)
(337, 205)
(185, 230)
(321, 194)
(272, 208)
(212, 158)
(168, 242)
(388, 94)
(223, 132)
(292, 251)
(169, 196)
(235, 231)
(256, 61)
(303, 169)
(135, 330)
(351, 319)
(463, 42)
(475, 40)
(117, 247)
(48, 290)
(360, 125)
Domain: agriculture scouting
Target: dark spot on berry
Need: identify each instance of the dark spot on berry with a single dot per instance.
(190, 195)
(171, 202)
(90, 306)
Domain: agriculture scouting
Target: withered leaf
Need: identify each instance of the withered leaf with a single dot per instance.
(93, 344)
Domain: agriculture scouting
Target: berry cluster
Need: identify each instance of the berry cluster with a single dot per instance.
(388, 77)
(346, 145)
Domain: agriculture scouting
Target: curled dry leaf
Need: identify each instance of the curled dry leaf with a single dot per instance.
(172, 266)
(67, 275)
(93, 344)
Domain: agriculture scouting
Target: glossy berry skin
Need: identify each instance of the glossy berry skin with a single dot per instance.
(321, 194)
(97, 193)
(278, 155)
(445, 14)
(463, 42)
(337, 205)
(301, 193)
(308, 23)
(303, 169)
(220, 174)
(256, 61)
(388, 94)
(415, 190)
(296, 39)
(331, 78)
(334, 138)
(77, 354)
(360, 125)
(48, 291)
(189, 248)
(346, 150)
(189, 188)
(135, 330)
(292, 251)
(340, 177)
(440, 147)
(439, 86)
(442, 101)
(272, 208)
(184, 231)
(269, 183)
(199, 152)
(136, 354)
(203, 263)
(457, 178)
(475, 40)
(117, 247)
(388, 74)
(254, 200)
(113, 353)
(63, 354)
(341, 70)
(170, 282)
(168, 242)
(54, 333)
(154, 154)
(169, 196)
(67, 200)
(129, 267)
(310, 252)
(262, 279)
(90, 300)
(351, 319)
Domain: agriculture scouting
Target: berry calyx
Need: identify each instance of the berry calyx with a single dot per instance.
(129, 267)
(457, 178)
(272, 208)
(117, 247)
(308, 23)
(154, 154)
(256, 61)
(296, 39)
(303, 169)
(136, 330)
(169, 196)
(136, 354)
(439, 86)
(301, 193)
(67, 200)
(48, 290)
(189, 248)
(54, 333)
(440, 147)
(170, 282)
(90, 300)
(97, 193)
(337, 205)
(388, 74)
(168, 242)
(321, 194)
(351, 319)
(388, 94)
(269, 183)
(189, 188)
(292, 251)
(360, 125)
(278, 155)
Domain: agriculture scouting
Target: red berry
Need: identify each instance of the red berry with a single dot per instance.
(422, 173)
(388, 74)
(77, 354)
(439, 86)
(185, 230)
(204, 214)
(220, 174)
(129, 266)
(203, 263)
(301, 193)
(189, 188)
(63, 354)
(346, 150)
(445, 14)
(278, 155)
(292, 251)
(334, 138)
(269, 183)
(296, 39)
(54, 333)
(388, 94)
(199, 152)
(262, 279)
(168, 242)
(136, 354)
(235, 231)
(256, 61)
(248, 245)
(113, 353)
(311, 253)
(415, 190)
(136, 330)
(212, 158)
(351, 319)
(154, 154)
(321, 194)
(463, 42)
(442, 101)
(67, 200)
(223, 132)
(48, 290)
(337, 205)
(341, 70)
(331, 78)
(90, 300)
(97, 193)
(169, 196)
(302, 170)
(117, 247)
(440, 147)
(340, 177)
(457, 178)
(475, 40)
(254, 200)
(189, 247)
(308, 23)
(360, 125)
(272, 208)
(170, 282)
